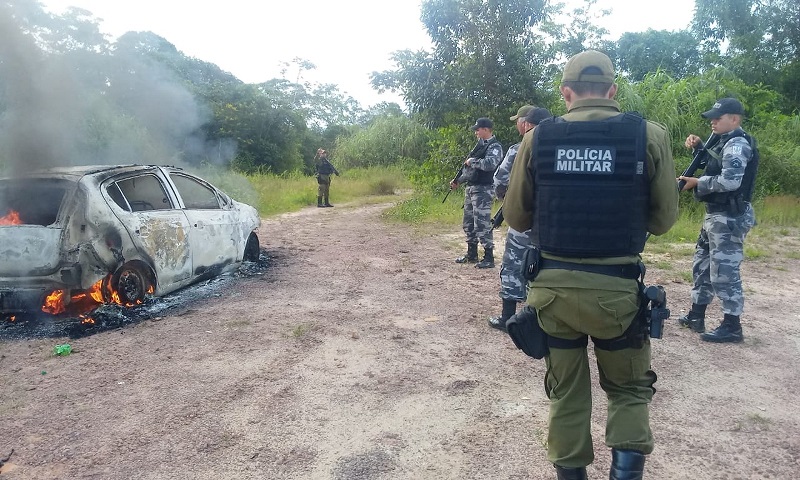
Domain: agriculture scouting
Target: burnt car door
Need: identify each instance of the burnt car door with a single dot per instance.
(158, 227)
(213, 230)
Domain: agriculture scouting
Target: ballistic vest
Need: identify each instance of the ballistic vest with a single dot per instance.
(591, 187)
(482, 177)
(731, 202)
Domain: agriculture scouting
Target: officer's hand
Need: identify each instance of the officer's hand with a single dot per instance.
(500, 191)
(691, 182)
(693, 141)
(453, 185)
(467, 162)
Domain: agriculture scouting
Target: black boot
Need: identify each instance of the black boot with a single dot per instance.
(626, 465)
(729, 331)
(326, 203)
(695, 319)
(567, 473)
(509, 309)
(471, 256)
(319, 202)
(488, 259)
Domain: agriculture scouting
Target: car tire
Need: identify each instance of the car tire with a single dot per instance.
(131, 283)
(252, 249)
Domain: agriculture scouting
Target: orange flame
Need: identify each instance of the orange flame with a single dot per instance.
(86, 300)
(12, 218)
(54, 303)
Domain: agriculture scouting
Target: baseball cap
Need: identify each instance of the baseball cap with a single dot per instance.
(537, 115)
(589, 66)
(723, 106)
(482, 122)
(522, 112)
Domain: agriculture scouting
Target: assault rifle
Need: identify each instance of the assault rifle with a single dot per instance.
(498, 218)
(458, 174)
(699, 159)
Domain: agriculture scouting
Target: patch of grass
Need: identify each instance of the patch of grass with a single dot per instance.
(778, 210)
(686, 276)
(753, 421)
(302, 329)
(754, 253)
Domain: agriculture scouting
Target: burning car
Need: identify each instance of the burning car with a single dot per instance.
(113, 234)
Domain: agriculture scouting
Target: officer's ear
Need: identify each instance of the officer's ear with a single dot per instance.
(612, 92)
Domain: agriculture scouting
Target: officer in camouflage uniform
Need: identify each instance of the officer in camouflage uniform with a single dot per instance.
(477, 174)
(324, 171)
(590, 185)
(513, 287)
(726, 188)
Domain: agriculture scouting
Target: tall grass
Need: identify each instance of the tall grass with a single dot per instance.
(273, 194)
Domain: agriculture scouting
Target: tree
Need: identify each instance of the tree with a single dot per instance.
(675, 53)
(484, 61)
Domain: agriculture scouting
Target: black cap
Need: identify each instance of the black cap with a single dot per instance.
(537, 115)
(723, 106)
(482, 122)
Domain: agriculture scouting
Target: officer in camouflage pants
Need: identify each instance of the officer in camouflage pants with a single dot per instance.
(478, 174)
(513, 286)
(726, 188)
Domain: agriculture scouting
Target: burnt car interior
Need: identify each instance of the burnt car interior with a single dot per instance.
(37, 201)
(195, 194)
(140, 193)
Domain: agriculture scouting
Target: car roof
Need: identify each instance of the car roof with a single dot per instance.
(75, 173)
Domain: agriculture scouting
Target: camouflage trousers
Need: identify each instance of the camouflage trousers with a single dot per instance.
(718, 254)
(513, 285)
(477, 221)
(323, 185)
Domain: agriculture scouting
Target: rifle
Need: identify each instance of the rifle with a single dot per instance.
(498, 218)
(699, 159)
(458, 174)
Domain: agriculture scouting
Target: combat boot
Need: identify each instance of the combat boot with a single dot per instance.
(695, 320)
(567, 473)
(471, 256)
(626, 465)
(326, 203)
(488, 259)
(319, 202)
(509, 309)
(729, 331)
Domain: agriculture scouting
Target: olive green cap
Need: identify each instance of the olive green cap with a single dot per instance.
(521, 113)
(602, 71)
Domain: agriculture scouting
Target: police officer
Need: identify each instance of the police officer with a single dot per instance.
(324, 171)
(590, 185)
(726, 188)
(512, 283)
(478, 173)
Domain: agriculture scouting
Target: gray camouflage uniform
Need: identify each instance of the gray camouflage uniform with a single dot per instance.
(720, 246)
(477, 220)
(513, 285)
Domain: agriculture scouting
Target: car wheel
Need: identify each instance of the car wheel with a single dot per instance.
(251, 249)
(131, 283)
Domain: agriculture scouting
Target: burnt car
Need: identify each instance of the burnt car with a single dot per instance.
(115, 234)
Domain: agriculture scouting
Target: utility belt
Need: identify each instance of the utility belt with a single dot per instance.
(734, 207)
(534, 263)
(528, 335)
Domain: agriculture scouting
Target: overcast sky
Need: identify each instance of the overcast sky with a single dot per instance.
(345, 39)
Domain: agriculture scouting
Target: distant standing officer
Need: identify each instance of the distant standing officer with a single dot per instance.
(590, 185)
(477, 174)
(726, 188)
(513, 287)
(324, 171)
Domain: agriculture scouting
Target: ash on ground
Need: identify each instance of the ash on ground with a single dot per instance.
(111, 316)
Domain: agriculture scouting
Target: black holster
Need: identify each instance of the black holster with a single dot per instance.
(527, 334)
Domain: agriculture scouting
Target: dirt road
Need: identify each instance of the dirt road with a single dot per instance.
(362, 352)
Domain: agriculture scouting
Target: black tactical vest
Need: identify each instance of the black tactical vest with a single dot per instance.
(732, 202)
(482, 177)
(591, 187)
